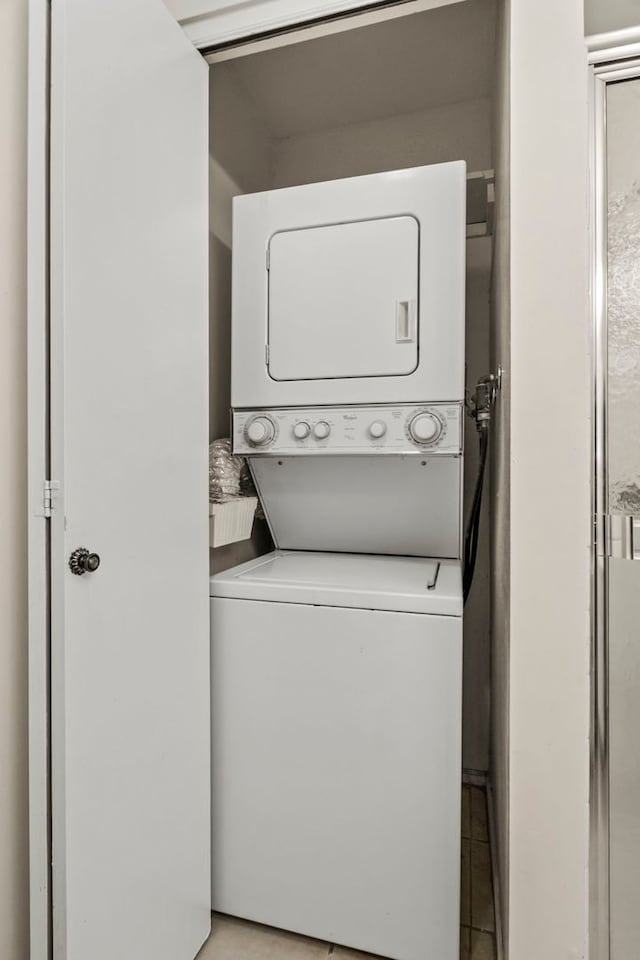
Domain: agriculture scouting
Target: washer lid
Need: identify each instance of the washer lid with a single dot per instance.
(401, 584)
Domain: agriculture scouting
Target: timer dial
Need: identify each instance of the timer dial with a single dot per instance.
(425, 428)
(260, 431)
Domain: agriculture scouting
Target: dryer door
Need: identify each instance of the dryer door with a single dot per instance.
(343, 300)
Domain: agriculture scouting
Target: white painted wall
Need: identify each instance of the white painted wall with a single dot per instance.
(451, 132)
(601, 16)
(13, 490)
(549, 484)
(240, 162)
(239, 139)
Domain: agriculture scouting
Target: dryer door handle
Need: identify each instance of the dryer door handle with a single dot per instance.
(405, 321)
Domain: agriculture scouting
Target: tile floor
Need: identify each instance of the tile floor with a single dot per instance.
(234, 939)
(477, 918)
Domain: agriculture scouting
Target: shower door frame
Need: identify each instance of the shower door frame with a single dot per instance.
(612, 57)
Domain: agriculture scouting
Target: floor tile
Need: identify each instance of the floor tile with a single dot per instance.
(465, 883)
(479, 819)
(483, 946)
(481, 889)
(466, 812)
(465, 943)
(233, 939)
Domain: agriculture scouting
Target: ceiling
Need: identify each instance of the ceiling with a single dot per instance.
(405, 65)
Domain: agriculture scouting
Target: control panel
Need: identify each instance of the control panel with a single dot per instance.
(433, 428)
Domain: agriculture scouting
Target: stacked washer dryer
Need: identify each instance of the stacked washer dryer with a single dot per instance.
(337, 659)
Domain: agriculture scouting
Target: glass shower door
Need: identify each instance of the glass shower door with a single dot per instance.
(621, 494)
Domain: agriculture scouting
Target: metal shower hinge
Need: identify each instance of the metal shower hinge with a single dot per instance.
(621, 536)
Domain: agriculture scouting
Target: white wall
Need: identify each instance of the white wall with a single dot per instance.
(601, 16)
(13, 464)
(550, 484)
(239, 140)
(240, 162)
(451, 132)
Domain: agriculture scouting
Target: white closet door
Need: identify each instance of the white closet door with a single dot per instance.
(130, 641)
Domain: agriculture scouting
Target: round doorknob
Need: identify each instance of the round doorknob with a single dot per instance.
(83, 561)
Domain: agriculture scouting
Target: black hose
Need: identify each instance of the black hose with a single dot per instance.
(473, 526)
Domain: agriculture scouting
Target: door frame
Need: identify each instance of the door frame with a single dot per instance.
(229, 24)
(39, 594)
(612, 57)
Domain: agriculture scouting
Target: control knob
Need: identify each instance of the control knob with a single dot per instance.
(321, 430)
(301, 430)
(260, 431)
(425, 428)
(377, 429)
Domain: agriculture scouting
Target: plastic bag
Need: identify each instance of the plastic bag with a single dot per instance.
(224, 472)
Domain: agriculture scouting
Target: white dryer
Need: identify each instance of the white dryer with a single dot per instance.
(351, 291)
(336, 706)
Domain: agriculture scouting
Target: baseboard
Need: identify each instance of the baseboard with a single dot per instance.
(495, 875)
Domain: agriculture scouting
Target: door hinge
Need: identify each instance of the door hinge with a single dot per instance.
(49, 494)
(266, 354)
(268, 258)
(620, 537)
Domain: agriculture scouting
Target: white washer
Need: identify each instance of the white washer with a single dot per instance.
(336, 727)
